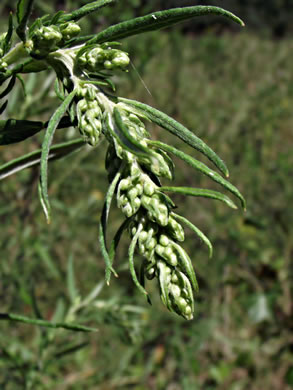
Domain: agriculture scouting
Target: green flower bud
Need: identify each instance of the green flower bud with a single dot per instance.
(175, 230)
(132, 193)
(127, 210)
(69, 30)
(148, 188)
(124, 184)
(121, 59)
(143, 236)
(151, 273)
(164, 240)
(46, 39)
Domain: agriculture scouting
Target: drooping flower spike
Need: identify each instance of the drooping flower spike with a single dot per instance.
(135, 163)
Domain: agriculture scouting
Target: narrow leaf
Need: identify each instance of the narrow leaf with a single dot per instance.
(131, 262)
(48, 324)
(13, 130)
(9, 87)
(71, 285)
(85, 10)
(52, 125)
(198, 232)
(200, 167)
(202, 193)
(187, 265)
(158, 20)
(3, 107)
(117, 237)
(24, 9)
(34, 158)
(7, 40)
(176, 128)
(103, 228)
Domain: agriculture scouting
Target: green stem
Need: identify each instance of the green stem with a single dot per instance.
(17, 53)
(48, 324)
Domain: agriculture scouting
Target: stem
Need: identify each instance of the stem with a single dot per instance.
(19, 52)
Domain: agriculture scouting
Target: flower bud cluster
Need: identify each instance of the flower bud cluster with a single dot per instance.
(164, 261)
(136, 189)
(139, 197)
(89, 115)
(48, 38)
(101, 57)
(176, 290)
(155, 160)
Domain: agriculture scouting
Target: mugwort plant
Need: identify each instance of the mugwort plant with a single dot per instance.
(136, 164)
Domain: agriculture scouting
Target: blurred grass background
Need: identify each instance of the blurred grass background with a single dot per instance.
(234, 89)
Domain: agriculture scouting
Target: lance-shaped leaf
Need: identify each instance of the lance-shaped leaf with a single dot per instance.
(47, 324)
(52, 126)
(202, 193)
(176, 128)
(186, 265)
(85, 10)
(159, 20)
(9, 87)
(7, 41)
(121, 135)
(103, 228)
(131, 261)
(202, 168)
(14, 130)
(164, 281)
(34, 158)
(115, 242)
(198, 232)
(24, 9)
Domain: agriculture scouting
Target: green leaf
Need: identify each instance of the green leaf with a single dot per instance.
(52, 125)
(103, 228)
(13, 130)
(176, 128)
(85, 10)
(71, 285)
(28, 160)
(115, 242)
(158, 20)
(202, 168)
(24, 9)
(202, 193)
(9, 87)
(131, 262)
(186, 265)
(34, 158)
(125, 139)
(7, 41)
(3, 107)
(198, 232)
(48, 324)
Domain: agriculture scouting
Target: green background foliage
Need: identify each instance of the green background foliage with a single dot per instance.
(234, 90)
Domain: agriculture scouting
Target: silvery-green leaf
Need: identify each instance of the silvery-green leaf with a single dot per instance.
(92, 6)
(52, 125)
(103, 227)
(24, 9)
(200, 167)
(159, 20)
(176, 128)
(198, 232)
(28, 160)
(201, 193)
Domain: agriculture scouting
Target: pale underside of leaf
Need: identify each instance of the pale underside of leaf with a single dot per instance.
(52, 126)
(201, 168)
(176, 128)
